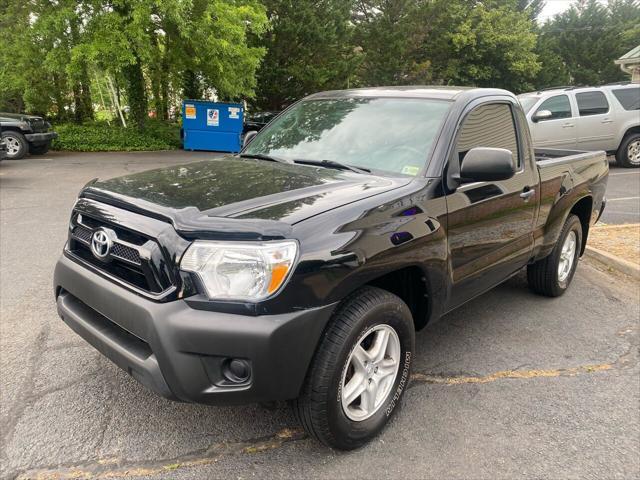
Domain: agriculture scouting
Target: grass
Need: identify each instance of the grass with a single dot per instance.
(102, 137)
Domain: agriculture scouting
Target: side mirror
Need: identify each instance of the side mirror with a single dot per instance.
(250, 135)
(487, 164)
(542, 115)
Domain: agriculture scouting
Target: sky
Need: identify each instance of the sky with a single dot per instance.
(552, 7)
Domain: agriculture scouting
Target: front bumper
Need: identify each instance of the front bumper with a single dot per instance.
(178, 351)
(39, 138)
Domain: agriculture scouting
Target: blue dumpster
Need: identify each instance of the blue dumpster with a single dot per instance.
(212, 126)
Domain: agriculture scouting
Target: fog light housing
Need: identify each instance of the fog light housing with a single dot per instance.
(236, 370)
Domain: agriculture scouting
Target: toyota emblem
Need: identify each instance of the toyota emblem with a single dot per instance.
(101, 243)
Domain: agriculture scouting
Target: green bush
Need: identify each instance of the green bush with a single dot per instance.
(102, 137)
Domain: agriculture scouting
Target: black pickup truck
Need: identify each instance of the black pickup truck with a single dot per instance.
(301, 269)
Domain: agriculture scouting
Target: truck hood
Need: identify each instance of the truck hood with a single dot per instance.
(197, 194)
(18, 116)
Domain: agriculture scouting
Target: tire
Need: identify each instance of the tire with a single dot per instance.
(17, 146)
(41, 149)
(359, 321)
(628, 155)
(545, 276)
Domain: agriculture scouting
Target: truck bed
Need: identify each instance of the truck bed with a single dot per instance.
(545, 154)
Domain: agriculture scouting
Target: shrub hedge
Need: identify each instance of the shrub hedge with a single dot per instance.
(102, 137)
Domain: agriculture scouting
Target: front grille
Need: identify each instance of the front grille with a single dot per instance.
(38, 125)
(133, 258)
(82, 234)
(126, 253)
(118, 250)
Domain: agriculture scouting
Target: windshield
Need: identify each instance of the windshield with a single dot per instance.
(387, 134)
(528, 102)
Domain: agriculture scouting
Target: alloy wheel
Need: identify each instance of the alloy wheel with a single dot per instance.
(567, 256)
(633, 152)
(12, 144)
(370, 372)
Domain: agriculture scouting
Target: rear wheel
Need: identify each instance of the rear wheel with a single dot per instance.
(16, 145)
(360, 370)
(628, 155)
(552, 275)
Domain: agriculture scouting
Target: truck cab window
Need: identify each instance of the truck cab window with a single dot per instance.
(489, 126)
(592, 103)
(559, 107)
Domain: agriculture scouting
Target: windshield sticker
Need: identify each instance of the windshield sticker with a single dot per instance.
(190, 111)
(410, 170)
(234, 112)
(213, 117)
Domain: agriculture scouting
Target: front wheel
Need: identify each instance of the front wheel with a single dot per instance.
(552, 275)
(16, 145)
(360, 370)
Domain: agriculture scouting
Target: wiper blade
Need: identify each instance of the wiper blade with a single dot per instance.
(332, 164)
(262, 156)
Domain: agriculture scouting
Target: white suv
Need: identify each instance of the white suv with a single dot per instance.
(587, 118)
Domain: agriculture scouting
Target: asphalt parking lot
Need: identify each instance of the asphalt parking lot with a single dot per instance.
(623, 196)
(510, 385)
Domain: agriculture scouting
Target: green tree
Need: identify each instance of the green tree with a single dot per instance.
(55, 50)
(387, 31)
(580, 45)
(485, 43)
(308, 48)
(37, 60)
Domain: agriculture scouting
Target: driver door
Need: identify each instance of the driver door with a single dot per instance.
(489, 223)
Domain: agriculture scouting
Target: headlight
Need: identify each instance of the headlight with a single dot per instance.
(240, 271)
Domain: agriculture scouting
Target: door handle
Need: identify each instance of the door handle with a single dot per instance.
(607, 120)
(568, 125)
(527, 193)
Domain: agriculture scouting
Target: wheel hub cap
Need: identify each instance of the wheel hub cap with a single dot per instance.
(13, 146)
(567, 256)
(370, 372)
(633, 152)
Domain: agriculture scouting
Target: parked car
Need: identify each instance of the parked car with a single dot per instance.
(3, 147)
(301, 269)
(587, 118)
(24, 134)
(256, 121)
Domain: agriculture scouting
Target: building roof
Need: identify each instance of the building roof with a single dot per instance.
(632, 56)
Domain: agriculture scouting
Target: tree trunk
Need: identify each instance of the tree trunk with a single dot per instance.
(82, 103)
(164, 89)
(155, 90)
(191, 85)
(61, 112)
(136, 92)
(85, 95)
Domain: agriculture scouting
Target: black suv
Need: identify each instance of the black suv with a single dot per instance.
(22, 134)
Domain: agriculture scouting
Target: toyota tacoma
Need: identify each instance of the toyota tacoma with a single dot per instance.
(301, 268)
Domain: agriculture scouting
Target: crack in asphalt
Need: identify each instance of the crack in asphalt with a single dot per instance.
(624, 360)
(118, 468)
(17, 409)
(110, 415)
(521, 374)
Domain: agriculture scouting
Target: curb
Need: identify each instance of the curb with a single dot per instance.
(613, 261)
